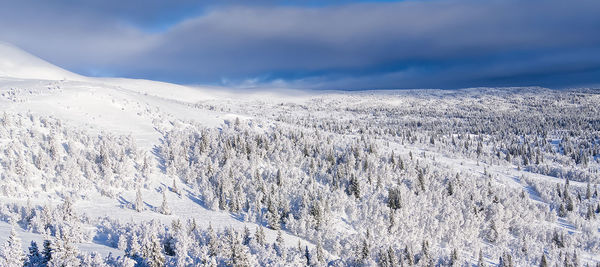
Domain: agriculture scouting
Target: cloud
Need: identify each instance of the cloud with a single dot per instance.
(411, 44)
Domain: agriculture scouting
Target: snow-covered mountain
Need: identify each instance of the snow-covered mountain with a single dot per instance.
(155, 173)
(16, 63)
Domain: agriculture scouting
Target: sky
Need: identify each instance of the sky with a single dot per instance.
(336, 44)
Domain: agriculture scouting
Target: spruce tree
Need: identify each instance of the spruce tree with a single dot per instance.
(320, 252)
(421, 179)
(454, 258)
(68, 211)
(247, 237)
(238, 253)
(174, 188)
(12, 252)
(562, 211)
(425, 250)
(307, 255)
(558, 190)
(259, 235)
(164, 207)
(134, 246)
(139, 203)
(383, 259)
(450, 188)
(410, 257)
(354, 187)
(279, 178)
(394, 198)
(390, 257)
(364, 252)
(47, 252)
(492, 234)
(182, 249)
(213, 242)
(64, 252)
(273, 217)
(34, 258)
(280, 245)
(590, 213)
(570, 203)
(544, 261)
(156, 258)
(122, 242)
(480, 261)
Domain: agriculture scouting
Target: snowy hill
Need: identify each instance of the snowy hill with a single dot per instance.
(154, 173)
(16, 63)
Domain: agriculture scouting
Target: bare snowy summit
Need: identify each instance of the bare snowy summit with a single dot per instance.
(16, 63)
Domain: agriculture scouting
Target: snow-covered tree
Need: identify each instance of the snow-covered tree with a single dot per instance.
(139, 203)
(64, 251)
(34, 258)
(122, 243)
(280, 245)
(259, 235)
(164, 207)
(154, 256)
(12, 251)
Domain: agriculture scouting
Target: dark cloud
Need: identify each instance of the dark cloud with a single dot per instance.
(441, 44)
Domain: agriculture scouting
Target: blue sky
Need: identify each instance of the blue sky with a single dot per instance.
(338, 44)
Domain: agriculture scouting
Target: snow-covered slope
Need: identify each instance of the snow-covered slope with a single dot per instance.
(116, 107)
(16, 63)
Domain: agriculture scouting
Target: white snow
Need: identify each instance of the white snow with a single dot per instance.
(16, 63)
(145, 109)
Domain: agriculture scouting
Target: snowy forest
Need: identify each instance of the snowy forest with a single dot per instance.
(473, 177)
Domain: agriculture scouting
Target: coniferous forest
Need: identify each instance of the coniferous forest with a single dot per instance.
(485, 177)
